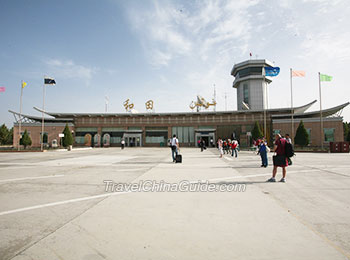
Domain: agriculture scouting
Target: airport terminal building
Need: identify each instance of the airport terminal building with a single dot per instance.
(154, 129)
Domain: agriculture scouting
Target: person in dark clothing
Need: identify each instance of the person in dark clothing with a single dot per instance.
(279, 160)
(263, 153)
(202, 145)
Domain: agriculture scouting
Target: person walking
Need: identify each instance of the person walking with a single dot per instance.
(123, 143)
(202, 144)
(289, 140)
(174, 147)
(280, 159)
(220, 147)
(234, 148)
(263, 153)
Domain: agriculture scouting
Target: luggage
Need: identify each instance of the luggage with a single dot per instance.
(178, 158)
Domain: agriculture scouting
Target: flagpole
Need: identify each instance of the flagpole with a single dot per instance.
(264, 102)
(20, 117)
(321, 119)
(42, 120)
(291, 103)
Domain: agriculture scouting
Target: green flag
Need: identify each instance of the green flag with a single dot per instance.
(324, 77)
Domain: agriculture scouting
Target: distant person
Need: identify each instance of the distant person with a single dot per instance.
(225, 146)
(202, 145)
(263, 149)
(220, 147)
(288, 141)
(123, 144)
(234, 148)
(280, 159)
(288, 138)
(174, 147)
(211, 142)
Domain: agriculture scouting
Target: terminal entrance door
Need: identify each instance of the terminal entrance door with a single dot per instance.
(208, 136)
(133, 140)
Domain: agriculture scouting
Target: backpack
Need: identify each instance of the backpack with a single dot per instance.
(289, 150)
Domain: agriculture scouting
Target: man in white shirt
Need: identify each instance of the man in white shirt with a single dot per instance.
(174, 147)
(288, 138)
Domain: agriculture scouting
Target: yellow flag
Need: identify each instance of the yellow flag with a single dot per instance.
(24, 84)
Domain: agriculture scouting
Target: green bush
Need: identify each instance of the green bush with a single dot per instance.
(256, 132)
(26, 140)
(4, 134)
(301, 136)
(68, 138)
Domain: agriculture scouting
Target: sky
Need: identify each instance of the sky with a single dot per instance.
(167, 51)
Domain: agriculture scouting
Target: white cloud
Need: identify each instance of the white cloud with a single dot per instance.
(168, 31)
(69, 69)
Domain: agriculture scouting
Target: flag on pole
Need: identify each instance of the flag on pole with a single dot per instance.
(2, 89)
(49, 81)
(298, 73)
(24, 84)
(324, 77)
(272, 71)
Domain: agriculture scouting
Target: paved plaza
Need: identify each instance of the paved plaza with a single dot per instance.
(54, 205)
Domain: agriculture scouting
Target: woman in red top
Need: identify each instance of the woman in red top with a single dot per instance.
(280, 160)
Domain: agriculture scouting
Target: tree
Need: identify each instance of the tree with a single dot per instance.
(348, 137)
(26, 140)
(4, 134)
(301, 136)
(256, 132)
(68, 138)
(10, 137)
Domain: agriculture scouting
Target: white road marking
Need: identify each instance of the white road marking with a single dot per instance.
(120, 193)
(61, 202)
(32, 178)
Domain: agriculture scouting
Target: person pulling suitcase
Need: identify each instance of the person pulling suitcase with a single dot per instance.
(174, 148)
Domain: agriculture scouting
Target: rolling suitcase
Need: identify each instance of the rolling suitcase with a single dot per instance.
(178, 158)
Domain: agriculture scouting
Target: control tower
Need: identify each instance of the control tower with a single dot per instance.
(251, 84)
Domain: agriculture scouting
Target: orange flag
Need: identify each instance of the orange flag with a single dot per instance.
(298, 73)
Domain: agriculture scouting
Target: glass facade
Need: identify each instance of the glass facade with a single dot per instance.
(185, 134)
(79, 140)
(45, 138)
(308, 130)
(250, 71)
(328, 134)
(156, 135)
(246, 93)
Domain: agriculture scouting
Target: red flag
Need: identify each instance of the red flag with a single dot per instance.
(2, 89)
(250, 54)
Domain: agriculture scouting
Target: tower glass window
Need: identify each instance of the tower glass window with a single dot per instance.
(250, 71)
(246, 93)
